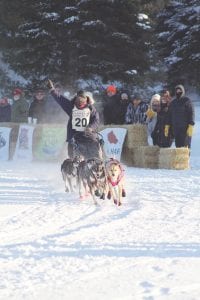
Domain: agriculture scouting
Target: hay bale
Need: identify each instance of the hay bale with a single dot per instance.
(137, 136)
(177, 159)
(150, 156)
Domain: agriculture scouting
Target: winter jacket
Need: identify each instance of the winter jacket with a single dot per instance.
(69, 107)
(113, 110)
(37, 110)
(5, 113)
(181, 113)
(137, 114)
(157, 134)
(19, 112)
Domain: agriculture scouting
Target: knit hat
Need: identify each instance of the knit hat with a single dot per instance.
(112, 89)
(17, 92)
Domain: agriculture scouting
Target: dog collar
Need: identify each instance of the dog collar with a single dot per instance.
(114, 183)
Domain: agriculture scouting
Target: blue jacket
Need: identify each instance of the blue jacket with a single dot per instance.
(68, 106)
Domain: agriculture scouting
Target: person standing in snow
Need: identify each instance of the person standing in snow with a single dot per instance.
(83, 122)
(136, 111)
(20, 107)
(180, 118)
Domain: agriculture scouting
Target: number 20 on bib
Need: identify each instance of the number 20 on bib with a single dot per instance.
(80, 118)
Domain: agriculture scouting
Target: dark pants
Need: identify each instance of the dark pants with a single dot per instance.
(182, 140)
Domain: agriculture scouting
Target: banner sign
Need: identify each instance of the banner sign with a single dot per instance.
(50, 145)
(24, 143)
(4, 143)
(113, 141)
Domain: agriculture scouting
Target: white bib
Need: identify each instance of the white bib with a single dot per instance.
(80, 118)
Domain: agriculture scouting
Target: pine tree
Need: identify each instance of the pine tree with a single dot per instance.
(30, 38)
(178, 36)
(111, 39)
(69, 40)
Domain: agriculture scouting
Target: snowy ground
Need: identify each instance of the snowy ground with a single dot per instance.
(53, 247)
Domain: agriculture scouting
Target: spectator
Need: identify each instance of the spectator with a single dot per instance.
(136, 110)
(157, 121)
(20, 107)
(123, 104)
(5, 110)
(111, 106)
(53, 111)
(37, 108)
(165, 98)
(180, 118)
(151, 113)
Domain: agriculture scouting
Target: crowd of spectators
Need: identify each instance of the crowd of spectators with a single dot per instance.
(167, 119)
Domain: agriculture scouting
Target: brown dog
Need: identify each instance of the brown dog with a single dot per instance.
(115, 176)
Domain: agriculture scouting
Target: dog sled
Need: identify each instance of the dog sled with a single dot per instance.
(88, 146)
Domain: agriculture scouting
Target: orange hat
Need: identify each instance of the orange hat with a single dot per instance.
(111, 88)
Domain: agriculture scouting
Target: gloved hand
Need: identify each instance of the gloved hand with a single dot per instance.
(150, 113)
(166, 130)
(190, 130)
(50, 84)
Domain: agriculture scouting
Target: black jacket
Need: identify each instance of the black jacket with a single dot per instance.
(181, 114)
(38, 110)
(157, 135)
(113, 110)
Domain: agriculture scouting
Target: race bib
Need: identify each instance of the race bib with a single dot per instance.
(80, 118)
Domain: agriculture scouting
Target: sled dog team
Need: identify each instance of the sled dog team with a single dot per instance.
(94, 177)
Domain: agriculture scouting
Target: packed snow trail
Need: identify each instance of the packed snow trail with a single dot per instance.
(53, 245)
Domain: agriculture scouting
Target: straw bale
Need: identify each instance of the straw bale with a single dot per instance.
(137, 157)
(150, 156)
(177, 158)
(137, 136)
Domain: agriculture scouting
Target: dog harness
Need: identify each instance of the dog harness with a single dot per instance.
(114, 183)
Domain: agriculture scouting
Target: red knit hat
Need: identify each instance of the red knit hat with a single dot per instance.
(17, 92)
(111, 88)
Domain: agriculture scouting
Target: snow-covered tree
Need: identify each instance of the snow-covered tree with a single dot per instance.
(112, 39)
(178, 35)
(68, 40)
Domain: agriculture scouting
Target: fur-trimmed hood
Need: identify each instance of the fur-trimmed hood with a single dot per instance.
(181, 87)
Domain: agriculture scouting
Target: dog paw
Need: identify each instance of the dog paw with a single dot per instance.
(123, 193)
(119, 204)
(109, 195)
(103, 196)
(115, 201)
(97, 193)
